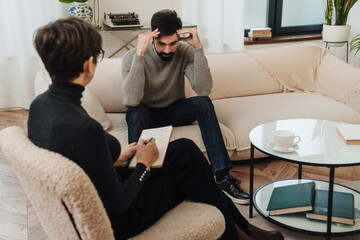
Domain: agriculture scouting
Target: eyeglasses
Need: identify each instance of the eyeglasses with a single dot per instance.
(101, 55)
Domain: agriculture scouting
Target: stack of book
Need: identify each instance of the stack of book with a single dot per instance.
(313, 202)
(260, 33)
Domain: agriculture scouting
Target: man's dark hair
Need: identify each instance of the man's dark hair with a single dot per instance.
(65, 45)
(167, 21)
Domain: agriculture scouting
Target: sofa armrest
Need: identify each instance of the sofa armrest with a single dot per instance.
(189, 220)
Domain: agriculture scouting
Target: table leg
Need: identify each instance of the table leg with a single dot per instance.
(347, 51)
(330, 202)
(300, 171)
(127, 43)
(251, 180)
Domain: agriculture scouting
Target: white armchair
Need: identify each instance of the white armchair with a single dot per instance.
(68, 206)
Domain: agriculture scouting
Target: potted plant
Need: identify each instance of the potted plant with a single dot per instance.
(355, 44)
(80, 9)
(337, 31)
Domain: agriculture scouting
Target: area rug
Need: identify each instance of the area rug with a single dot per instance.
(261, 222)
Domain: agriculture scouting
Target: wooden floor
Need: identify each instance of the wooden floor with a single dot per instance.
(14, 223)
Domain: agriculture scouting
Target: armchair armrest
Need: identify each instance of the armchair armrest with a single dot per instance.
(189, 220)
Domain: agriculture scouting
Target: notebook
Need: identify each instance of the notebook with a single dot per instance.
(162, 137)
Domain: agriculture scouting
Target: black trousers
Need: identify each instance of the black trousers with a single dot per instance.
(184, 175)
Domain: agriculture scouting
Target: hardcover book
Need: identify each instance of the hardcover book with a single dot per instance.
(162, 137)
(349, 133)
(292, 198)
(343, 207)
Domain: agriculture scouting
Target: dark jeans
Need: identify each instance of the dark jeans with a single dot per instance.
(184, 175)
(183, 112)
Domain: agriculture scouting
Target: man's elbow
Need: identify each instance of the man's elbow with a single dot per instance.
(131, 102)
(204, 92)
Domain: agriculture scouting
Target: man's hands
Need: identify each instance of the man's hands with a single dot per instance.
(192, 38)
(125, 154)
(144, 40)
(147, 153)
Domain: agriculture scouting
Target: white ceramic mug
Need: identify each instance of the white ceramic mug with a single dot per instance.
(284, 139)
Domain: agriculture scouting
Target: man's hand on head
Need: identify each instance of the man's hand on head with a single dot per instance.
(144, 40)
(191, 37)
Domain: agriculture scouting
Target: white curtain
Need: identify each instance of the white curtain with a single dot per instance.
(219, 22)
(19, 61)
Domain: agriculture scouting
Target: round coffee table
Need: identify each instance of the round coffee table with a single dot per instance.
(319, 146)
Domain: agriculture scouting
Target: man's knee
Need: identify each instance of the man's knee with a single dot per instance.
(141, 108)
(204, 104)
(138, 112)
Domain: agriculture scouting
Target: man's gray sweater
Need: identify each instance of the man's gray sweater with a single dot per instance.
(158, 83)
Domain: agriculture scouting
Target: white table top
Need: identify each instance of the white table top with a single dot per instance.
(319, 145)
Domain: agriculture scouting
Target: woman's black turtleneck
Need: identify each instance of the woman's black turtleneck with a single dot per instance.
(58, 122)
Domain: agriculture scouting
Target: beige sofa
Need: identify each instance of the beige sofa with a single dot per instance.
(250, 88)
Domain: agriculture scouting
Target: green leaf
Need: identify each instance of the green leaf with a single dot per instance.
(355, 44)
(342, 9)
(329, 12)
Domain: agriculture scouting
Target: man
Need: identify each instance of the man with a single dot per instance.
(153, 90)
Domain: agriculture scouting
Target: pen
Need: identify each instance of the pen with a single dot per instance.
(148, 140)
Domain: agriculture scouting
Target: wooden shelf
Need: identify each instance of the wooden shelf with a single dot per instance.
(283, 39)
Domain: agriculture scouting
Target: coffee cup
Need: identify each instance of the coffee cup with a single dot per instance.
(285, 139)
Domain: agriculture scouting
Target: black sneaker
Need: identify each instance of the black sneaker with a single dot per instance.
(231, 187)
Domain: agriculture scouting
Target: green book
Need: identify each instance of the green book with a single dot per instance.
(292, 198)
(343, 207)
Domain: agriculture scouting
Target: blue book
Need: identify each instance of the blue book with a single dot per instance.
(343, 207)
(292, 199)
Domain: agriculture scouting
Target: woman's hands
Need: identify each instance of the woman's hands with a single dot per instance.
(125, 155)
(147, 153)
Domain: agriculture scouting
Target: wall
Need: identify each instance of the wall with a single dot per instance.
(144, 8)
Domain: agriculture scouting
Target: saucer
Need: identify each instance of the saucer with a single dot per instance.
(291, 149)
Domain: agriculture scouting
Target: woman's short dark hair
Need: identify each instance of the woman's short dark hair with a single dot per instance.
(167, 21)
(65, 45)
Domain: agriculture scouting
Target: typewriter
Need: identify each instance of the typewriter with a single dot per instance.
(120, 20)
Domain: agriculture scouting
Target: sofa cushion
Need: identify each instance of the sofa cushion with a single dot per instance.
(243, 114)
(107, 84)
(294, 67)
(237, 74)
(88, 101)
(119, 130)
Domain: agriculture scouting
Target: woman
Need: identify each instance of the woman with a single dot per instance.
(133, 199)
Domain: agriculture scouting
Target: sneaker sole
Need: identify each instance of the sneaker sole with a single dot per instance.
(238, 201)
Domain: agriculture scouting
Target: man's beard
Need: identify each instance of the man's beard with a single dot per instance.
(164, 56)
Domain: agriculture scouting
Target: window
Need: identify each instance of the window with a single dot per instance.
(285, 17)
